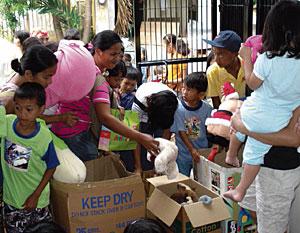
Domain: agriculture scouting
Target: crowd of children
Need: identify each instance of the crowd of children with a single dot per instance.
(165, 105)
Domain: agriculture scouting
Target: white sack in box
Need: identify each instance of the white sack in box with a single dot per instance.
(71, 168)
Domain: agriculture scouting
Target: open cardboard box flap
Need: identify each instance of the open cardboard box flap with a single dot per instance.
(163, 207)
(166, 209)
(200, 214)
(160, 180)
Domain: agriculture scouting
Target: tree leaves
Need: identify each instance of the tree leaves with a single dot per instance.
(68, 16)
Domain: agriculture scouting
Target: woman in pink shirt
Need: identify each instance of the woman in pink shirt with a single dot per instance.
(106, 52)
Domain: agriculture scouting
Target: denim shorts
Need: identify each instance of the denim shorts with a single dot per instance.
(184, 166)
(82, 145)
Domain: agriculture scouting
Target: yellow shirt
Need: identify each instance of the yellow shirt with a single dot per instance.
(217, 76)
(175, 72)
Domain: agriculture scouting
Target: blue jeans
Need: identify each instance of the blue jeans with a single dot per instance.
(82, 146)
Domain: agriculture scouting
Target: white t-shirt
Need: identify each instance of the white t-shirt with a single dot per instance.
(143, 92)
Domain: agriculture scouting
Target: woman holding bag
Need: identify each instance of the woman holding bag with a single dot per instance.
(106, 49)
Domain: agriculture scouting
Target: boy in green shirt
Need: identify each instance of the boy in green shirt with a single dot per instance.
(28, 161)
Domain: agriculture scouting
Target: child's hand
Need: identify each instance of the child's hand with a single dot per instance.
(149, 143)
(245, 52)
(69, 118)
(217, 147)
(31, 202)
(122, 112)
(138, 171)
(195, 155)
(297, 126)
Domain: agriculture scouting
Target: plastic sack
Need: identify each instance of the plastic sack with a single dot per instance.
(71, 169)
(75, 74)
(111, 141)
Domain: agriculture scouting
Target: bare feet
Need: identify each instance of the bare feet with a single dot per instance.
(232, 160)
(234, 195)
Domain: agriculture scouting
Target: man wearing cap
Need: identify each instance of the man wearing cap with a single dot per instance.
(227, 66)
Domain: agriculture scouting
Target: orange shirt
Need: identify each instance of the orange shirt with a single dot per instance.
(175, 72)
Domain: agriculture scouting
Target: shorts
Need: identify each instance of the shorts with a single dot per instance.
(254, 150)
(184, 166)
(271, 196)
(16, 220)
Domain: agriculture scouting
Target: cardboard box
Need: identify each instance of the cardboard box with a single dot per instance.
(109, 199)
(160, 180)
(195, 217)
(220, 177)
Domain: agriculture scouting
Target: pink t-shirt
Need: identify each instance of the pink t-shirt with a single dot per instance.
(82, 109)
(101, 95)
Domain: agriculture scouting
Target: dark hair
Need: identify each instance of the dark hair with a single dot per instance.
(209, 59)
(127, 57)
(182, 48)
(161, 105)
(144, 52)
(133, 74)
(45, 227)
(196, 80)
(119, 68)
(281, 32)
(170, 38)
(31, 90)
(122, 49)
(36, 59)
(52, 45)
(72, 34)
(30, 41)
(144, 225)
(21, 35)
(104, 40)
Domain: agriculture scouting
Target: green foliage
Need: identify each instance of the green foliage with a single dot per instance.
(69, 16)
(10, 9)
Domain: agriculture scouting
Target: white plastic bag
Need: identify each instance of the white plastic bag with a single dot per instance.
(71, 168)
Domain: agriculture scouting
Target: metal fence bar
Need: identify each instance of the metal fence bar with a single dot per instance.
(191, 21)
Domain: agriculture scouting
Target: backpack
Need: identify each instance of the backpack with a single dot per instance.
(95, 125)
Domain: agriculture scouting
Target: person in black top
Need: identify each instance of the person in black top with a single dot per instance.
(273, 192)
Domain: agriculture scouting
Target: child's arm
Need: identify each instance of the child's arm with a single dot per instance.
(251, 79)
(31, 202)
(9, 104)
(194, 152)
(166, 134)
(68, 118)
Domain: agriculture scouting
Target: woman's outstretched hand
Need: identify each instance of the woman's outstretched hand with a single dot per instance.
(149, 143)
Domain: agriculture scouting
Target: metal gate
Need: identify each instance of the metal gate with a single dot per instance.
(262, 9)
(237, 15)
(190, 21)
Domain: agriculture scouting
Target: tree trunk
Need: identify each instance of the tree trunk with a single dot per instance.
(57, 27)
(87, 21)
